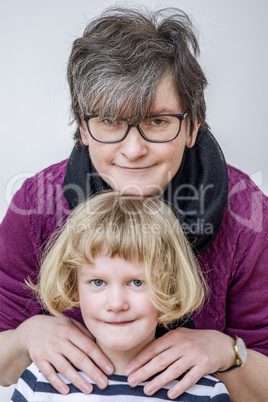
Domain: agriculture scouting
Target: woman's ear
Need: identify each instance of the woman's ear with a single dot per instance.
(192, 137)
(84, 133)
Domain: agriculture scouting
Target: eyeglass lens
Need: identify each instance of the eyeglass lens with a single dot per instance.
(156, 128)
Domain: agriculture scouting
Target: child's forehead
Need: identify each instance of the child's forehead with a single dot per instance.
(111, 265)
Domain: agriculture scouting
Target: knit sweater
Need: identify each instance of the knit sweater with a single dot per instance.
(235, 264)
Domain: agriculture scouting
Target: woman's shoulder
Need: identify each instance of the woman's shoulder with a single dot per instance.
(51, 175)
(245, 218)
(246, 207)
(40, 204)
(238, 176)
(34, 188)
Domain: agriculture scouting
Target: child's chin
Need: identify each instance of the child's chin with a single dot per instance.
(120, 347)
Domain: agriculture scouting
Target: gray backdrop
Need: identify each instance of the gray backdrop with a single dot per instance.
(36, 37)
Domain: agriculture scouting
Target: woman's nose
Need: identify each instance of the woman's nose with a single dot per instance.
(134, 146)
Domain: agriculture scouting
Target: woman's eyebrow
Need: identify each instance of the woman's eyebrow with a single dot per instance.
(163, 110)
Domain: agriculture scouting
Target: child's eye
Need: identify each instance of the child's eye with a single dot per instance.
(97, 282)
(136, 282)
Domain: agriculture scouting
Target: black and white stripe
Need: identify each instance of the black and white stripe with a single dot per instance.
(33, 387)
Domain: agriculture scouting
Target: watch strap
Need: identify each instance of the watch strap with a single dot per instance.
(238, 361)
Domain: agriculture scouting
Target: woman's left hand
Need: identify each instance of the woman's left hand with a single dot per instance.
(197, 352)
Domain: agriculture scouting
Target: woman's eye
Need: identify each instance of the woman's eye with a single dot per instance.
(137, 282)
(155, 122)
(111, 123)
(158, 122)
(97, 282)
(108, 121)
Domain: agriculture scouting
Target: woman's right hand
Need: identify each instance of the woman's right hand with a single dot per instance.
(54, 344)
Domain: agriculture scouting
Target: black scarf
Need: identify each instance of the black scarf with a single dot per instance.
(198, 192)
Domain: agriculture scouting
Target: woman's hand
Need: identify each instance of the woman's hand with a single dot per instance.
(54, 343)
(197, 352)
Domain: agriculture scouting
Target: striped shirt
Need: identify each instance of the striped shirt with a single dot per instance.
(33, 387)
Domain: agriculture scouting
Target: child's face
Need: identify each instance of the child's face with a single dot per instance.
(115, 304)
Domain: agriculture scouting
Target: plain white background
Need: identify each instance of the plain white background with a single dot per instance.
(36, 38)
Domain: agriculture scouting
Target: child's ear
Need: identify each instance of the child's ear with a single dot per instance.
(76, 296)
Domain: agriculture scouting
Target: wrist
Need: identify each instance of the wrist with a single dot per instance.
(21, 336)
(240, 355)
(14, 358)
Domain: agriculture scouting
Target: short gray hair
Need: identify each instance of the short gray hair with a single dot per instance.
(116, 66)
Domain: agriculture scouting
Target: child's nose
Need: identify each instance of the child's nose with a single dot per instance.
(117, 300)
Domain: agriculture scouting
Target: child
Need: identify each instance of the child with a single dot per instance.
(126, 263)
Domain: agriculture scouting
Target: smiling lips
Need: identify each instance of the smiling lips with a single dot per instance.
(119, 323)
(135, 169)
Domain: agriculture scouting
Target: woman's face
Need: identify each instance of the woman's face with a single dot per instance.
(135, 166)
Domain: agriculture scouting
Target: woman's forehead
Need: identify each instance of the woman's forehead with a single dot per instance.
(165, 100)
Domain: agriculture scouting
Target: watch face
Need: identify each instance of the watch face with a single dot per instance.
(242, 350)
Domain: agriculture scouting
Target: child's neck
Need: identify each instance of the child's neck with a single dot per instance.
(120, 359)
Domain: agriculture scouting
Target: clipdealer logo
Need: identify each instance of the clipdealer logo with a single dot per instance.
(49, 200)
(250, 214)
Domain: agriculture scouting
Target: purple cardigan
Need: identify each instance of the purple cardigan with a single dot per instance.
(235, 265)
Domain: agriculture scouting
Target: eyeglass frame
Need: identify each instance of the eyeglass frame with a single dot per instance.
(180, 117)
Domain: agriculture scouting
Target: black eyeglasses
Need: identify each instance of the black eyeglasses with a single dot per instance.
(158, 128)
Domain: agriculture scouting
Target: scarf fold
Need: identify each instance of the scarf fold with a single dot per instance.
(197, 193)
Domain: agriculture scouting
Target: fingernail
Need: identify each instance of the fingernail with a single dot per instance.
(87, 389)
(102, 383)
(108, 369)
(64, 390)
(171, 395)
(148, 390)
(133, 381)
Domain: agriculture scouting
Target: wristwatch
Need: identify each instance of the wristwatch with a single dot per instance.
(240, 355)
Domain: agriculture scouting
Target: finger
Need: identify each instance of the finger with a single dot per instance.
(52, 377)
(148, 353)
(174, 371)
(67, 370)
(190, 379)
(169, 375)
(154, 366)
(81, 362)
(85, 347)
(83, 329)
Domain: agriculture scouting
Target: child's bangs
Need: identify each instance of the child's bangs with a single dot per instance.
(125, 237)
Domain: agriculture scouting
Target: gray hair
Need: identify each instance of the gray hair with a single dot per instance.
(115, 67)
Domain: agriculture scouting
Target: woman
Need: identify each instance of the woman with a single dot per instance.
(138, 101)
